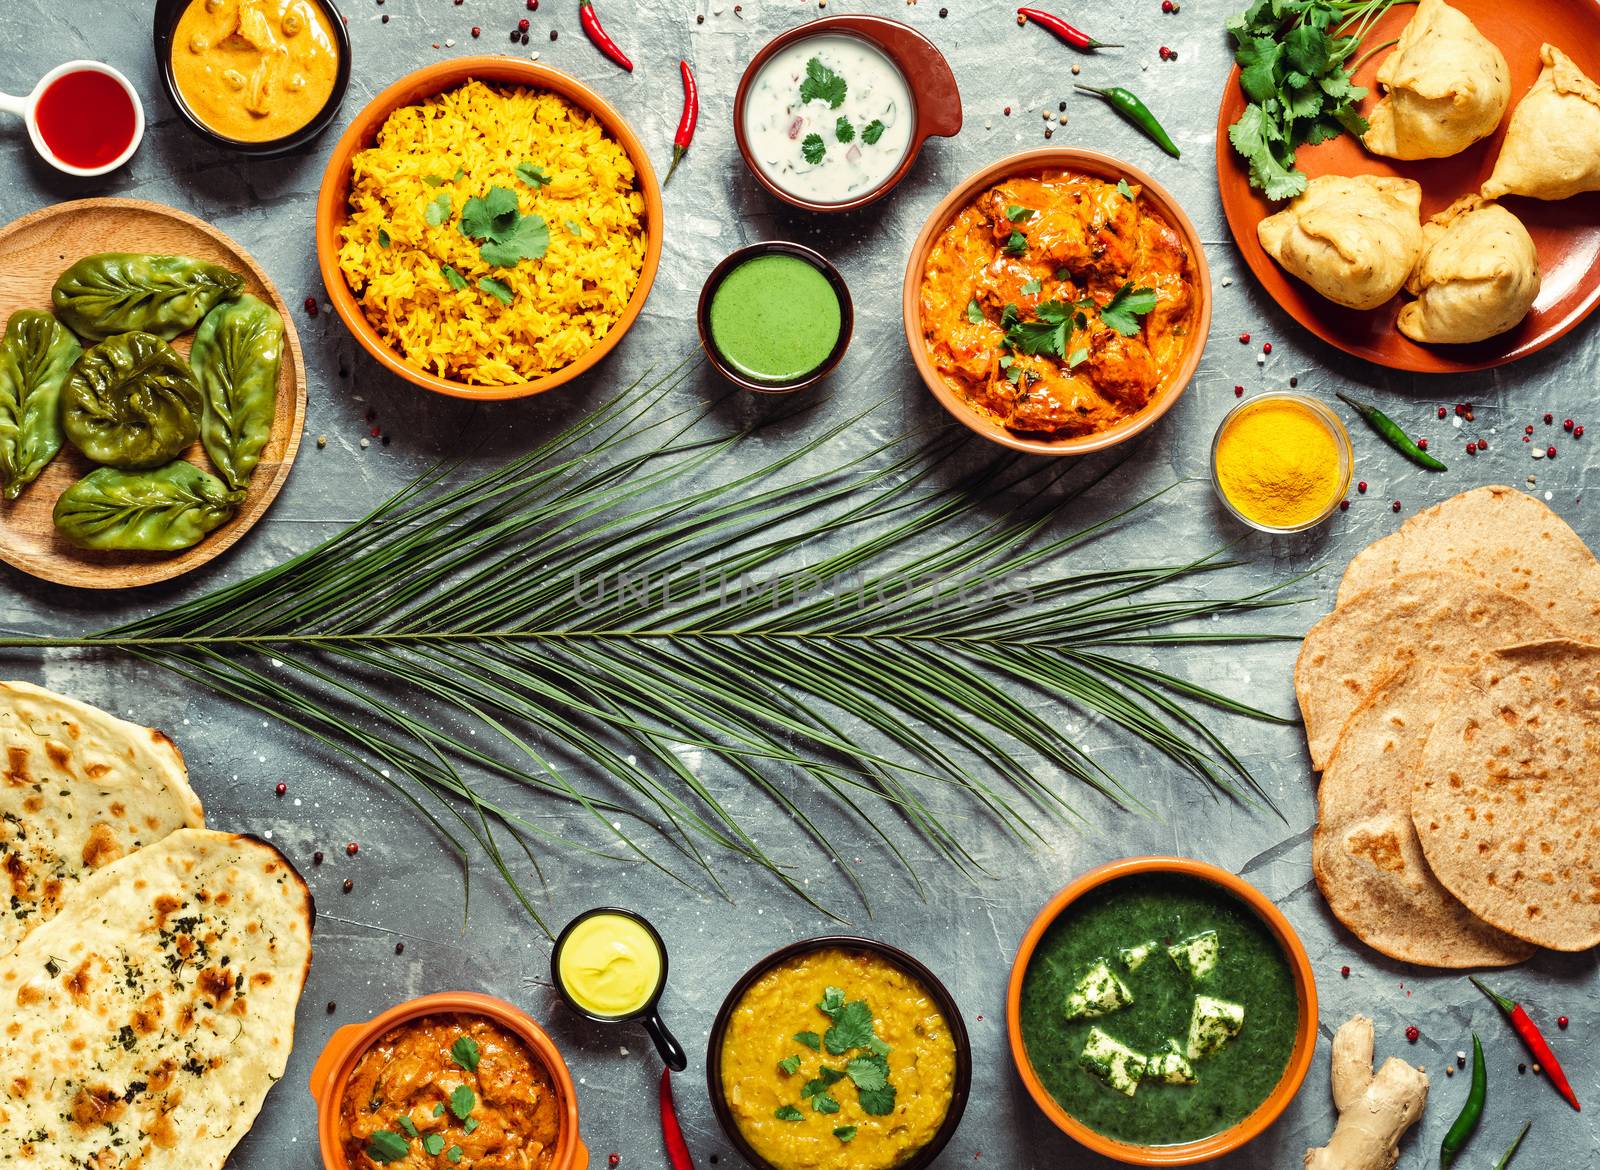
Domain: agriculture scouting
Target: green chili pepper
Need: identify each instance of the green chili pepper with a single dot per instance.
(1127, 103)
(1389, 431)
(1471, 1112)
(1512, 1152)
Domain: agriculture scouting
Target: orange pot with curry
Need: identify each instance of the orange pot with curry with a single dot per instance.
(457, 1078)
(1057, 301)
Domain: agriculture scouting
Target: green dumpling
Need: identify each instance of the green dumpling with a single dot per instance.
(237, 352)
(120, 292)
(164, 510)
(131, 402)
(36, 358)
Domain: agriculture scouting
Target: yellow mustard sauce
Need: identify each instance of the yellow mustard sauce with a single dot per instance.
(610, 965)
(254, 70)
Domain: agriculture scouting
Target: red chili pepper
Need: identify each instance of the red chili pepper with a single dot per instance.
(686, 124)
(1075, 37)
(671, 1132)
(590, 20)
(1523, 1025)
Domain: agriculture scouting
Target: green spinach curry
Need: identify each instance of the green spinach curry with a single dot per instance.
(1159, 1009)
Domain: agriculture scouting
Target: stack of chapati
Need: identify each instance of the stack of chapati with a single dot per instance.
(149, 967)
(1452, 703)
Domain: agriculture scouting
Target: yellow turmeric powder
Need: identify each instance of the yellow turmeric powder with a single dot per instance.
(1277, 462)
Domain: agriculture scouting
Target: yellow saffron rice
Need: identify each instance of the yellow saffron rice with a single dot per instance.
(460, 144)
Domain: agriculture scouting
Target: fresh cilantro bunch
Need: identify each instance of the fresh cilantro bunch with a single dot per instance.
(505, 236)
(1293, 67)
(822, 84)
(1051, 331)
(851, 1031)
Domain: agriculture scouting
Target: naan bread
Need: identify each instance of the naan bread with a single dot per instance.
(1446, 84)
(1552, 147)
(1366, 856)
(147, 1020)
(1500, 536)
(1505, 801)
(1435, 617)
(81, 788)
(1478, 277)
(1355, 240)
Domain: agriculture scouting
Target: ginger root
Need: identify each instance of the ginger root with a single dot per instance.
(1374, 1111)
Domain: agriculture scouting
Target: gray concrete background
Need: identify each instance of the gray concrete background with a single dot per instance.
(407, 888)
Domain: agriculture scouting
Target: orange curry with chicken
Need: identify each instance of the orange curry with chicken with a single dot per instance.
(449, 1090)
(1059, 305)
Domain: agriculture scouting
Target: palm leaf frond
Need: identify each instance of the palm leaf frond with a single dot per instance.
(456, 644)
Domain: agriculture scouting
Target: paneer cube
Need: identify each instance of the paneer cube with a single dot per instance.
(1133, 957)
(1100, 992)
(1197, 954)
(1212, 1024)
(1170, 1066)
(1119, 1066)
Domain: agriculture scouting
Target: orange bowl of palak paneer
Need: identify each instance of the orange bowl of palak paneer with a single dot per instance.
(1057, 301)
(1161, 1011)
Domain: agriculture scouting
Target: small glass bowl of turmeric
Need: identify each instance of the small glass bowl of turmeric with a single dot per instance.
(1281, 462)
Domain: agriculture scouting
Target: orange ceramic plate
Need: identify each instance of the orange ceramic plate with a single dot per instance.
(1567, 233)
(333, 208)
(1294, 1074)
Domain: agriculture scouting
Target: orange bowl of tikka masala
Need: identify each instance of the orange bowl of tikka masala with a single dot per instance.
(456, 1079)
(1057, 302)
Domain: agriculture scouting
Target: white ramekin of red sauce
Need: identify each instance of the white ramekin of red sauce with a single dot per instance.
(84, 117)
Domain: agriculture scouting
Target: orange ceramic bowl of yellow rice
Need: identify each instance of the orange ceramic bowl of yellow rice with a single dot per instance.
(489, 228)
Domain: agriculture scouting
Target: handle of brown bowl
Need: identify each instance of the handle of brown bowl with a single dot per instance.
(666, 1043)
(928, 74)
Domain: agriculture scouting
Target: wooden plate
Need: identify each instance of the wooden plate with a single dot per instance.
(33, 252)
(1567, 233)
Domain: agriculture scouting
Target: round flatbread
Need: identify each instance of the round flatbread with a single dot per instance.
(147, 1020)
(1365, 854)
(80, 789)
(1439, 617)
(1501, 536)
(1505, 800)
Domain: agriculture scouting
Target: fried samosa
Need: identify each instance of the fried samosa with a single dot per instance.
(1446, 86)
(1552, 147)
(1355, 240)
(1478, 277)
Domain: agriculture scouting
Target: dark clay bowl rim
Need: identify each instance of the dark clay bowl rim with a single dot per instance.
(847, 315)
(881, 33)
(167, 14)
(561, 987)
(912, 966)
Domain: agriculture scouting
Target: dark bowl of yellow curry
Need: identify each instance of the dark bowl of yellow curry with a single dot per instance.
(1057, 301)
(260, 77)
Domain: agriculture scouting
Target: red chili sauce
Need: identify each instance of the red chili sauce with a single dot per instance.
(85, 118)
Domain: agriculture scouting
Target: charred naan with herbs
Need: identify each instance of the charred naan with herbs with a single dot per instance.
(80, 790)
(1058, 304)
(146, 1022)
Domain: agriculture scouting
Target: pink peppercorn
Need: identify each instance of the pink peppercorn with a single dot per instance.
(476, 31)
(1395, 506)
(614, 1159)
(1548, 418)
(1483, 444)
(1472, 448)
(352, 849)
(1362, 487)
(1550, 452)
(1166, 5)
(311, 306)
(1344, 972)
(281, 788)
(1344, 505)
(1266, 347)
(533, 5)
(1413, 1034)
(1244, 339)
(522, 25)
(1566, 424)
(1577, 432)
(1422, 444)
(1561, 1022)
(1441, 412)
(1238, 391)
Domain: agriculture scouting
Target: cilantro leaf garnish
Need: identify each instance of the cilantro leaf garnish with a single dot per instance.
(439, 210)
(1031, 286)
(789, 1065)
(1045, 335)
(1009, 316)
(845, 1132)
(868, 1072)
(452, 277)
(1018, 214)
(851, 1028)
(843, 131)
(489, 216)
(824, 1103)
(383, 238)
(408, 1125)
(465, 1050)
(832, 1002)
(499, 290)
(532, 175)
(812, 148)
(433, 1144)
(462, 1101)
(469, 1125)
(528, 240)
(453, 1154)
(387, 1146)
(504, 235)
(1016, 244)
(872, 131)
(1124, 190)
(810, 1039)
(1077, 357)
(822, 84)
(575, 228)
(825, 1078)
(433, 180)
(1122, 312)
(788, 1113)
(879, 1047)
(877, 1102)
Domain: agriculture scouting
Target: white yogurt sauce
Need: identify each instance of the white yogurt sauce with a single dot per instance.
(828, 118)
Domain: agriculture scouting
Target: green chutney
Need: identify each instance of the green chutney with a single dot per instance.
(1251, 970)
(775, 318)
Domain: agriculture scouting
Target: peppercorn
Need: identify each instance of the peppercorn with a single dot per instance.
(1483, 444)
(1395, 507)
(349, 884)
(352, 849)
(1441, 412)
(1548, 418)
(553, 34)
(1266, 347)
(1521, 1069)
(613, 1159)
(524, 38)
(1293, 382)
(515, 36)
(311, 306)
(332, 1007)
(943, 12)
(1528, 430)
(1244, 339)
(1362, 487)
(533, 5)
(1577, 432)
(1550, 452)
(476, 31)
(1561, 1022)
(1472, 448)
(399, 948)
(1566, 424)
(522, 25)
(1006, 111)
(1344, 506)
(385, 18)
(1412, 1031)
(282, 788)
(1422, 444)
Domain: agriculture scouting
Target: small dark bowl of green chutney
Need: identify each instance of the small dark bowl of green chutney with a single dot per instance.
(775, 317)
(1162, 1011)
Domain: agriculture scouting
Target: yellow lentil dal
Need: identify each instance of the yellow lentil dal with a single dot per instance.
(460, 144)
(762, 1035)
